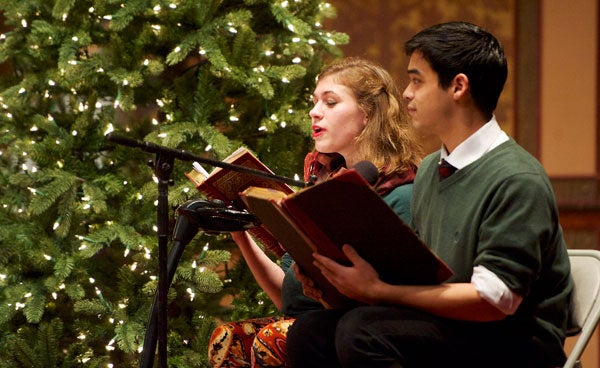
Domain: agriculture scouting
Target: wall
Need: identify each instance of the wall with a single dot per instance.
(569, 87)
(568, 133)
(378, 29)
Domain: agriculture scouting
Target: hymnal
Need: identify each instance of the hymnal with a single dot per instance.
(225, 185)
(345, 210)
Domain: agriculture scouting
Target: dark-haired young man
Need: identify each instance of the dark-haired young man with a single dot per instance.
(486, 207)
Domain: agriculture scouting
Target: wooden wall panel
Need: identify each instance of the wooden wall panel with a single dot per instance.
(379, 28)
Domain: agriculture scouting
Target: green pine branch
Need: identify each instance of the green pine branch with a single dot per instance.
(78, 267)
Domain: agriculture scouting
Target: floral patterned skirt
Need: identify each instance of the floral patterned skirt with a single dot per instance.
(259, 342)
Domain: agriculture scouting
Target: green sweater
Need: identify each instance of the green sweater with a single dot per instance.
(294, 301)
(500, 212)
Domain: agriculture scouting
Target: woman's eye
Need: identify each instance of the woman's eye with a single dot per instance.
(330, 102)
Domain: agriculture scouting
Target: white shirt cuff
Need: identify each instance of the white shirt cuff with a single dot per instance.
(495, 291)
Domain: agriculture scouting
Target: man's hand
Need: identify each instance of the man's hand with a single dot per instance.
(356, 281)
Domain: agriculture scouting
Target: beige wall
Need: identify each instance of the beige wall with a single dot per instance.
(569, 87)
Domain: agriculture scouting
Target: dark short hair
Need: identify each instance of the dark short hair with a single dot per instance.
(461, 47)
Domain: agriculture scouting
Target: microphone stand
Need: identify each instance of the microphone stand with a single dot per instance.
(183, 233)
(193, 215)
(163, 168)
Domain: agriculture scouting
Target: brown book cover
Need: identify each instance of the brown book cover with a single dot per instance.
(225, 184)
(345, 210)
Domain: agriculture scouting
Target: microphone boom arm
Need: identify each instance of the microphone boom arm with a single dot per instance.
(188, 156)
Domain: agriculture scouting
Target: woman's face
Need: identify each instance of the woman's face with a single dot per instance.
(336, 119)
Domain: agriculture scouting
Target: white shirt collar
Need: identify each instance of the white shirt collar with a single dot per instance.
(486, 138)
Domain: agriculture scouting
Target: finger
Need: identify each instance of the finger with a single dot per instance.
(322, 264)
(355, 258)
(297, 269)
(351, 253)
(305, 280)
(324, 261)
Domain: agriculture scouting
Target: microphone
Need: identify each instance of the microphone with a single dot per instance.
(368, 171)
(215, 217)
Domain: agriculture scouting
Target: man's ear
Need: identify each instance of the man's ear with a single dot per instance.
(460, 85)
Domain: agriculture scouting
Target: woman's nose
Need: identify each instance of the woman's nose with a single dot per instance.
(315, 112)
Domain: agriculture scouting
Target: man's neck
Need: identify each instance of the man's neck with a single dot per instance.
(462, 127)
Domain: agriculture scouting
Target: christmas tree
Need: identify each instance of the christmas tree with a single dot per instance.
(78, 233)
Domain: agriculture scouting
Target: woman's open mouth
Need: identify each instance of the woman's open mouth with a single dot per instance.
(317, 131)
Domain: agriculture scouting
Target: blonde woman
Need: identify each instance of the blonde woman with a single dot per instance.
(357, 116)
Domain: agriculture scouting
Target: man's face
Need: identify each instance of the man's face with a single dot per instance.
(428, 104)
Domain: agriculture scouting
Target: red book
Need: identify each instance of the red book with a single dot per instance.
(225, 185)
(345, 210)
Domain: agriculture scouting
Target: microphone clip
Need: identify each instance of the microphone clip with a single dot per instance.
(215, 217)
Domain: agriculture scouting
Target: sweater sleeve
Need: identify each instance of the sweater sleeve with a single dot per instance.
(518, 224)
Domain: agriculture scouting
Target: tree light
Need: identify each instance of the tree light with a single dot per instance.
(109, 129)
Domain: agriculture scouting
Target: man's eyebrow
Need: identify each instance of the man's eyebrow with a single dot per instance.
(414, 71)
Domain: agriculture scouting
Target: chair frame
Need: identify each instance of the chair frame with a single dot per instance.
(585, 301)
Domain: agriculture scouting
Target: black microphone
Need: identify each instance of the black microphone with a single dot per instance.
(368, 171)
(215, 217)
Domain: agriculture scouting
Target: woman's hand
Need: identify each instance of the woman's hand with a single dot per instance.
(239, 236)
(308, 285)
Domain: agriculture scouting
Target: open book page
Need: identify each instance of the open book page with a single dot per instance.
(226, 184)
